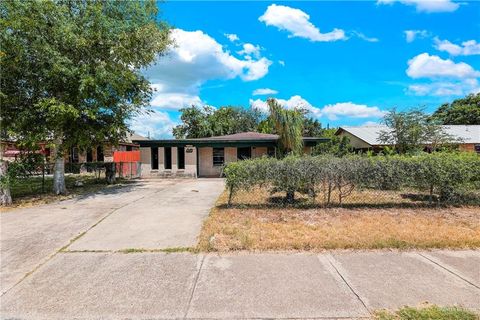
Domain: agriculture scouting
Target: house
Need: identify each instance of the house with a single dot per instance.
(205, 157)
(9, 151)
(367, 137)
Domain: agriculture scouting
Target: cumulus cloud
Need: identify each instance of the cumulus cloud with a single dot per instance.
(447, 78)
(351, 110)
(445, 88)
(294, 102)
(231, 36)
(298, 24)
(411, 35)
(281, 62)
(195, 59)
(331, 111)
(427, 66)
(466, 48)
(250, 50)
(264, 92)
(428, 6)
(156, 125)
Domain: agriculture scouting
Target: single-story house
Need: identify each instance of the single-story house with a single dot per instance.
(9, 150)
(367, 137)
(205, 157)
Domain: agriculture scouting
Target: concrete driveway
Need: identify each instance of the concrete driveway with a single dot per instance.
(66, 261)
(151, 214)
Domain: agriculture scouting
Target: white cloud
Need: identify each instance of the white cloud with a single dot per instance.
(157, 124)
(264, 92)
(364, 37)
(292, 103)
(281, 62)
(195, 59)
(332, 111)
(466, 48)
(250, 50)
(445, 88)
(297, 23)
(231, 36)
(411, 35)
(351, 110)
(428, 6)
(427, 66)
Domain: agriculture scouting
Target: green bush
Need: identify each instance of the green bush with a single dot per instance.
(451, 176)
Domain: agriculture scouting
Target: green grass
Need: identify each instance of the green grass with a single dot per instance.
(428, 313)
(32, 186)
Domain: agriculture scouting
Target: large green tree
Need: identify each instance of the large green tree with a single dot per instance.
(71, 70)
(460, 111)
(200, 122)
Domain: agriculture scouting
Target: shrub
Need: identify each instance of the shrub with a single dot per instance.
(450, 175)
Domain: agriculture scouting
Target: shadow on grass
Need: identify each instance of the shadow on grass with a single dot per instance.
(417, 201)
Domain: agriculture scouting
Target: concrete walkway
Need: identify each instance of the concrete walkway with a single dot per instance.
(88, 285)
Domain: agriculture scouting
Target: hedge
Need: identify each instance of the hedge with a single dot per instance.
(448, 175)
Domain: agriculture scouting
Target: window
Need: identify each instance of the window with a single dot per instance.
(244, 153)
(218, 156)
(477, 148)
(271, 151)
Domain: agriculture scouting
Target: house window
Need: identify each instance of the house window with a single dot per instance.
(477, 148)
(218, 156)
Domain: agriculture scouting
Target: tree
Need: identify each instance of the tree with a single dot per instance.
(311, 127)
(288, 125)
(71, 70)
(412, 130)
(460, 111)
(200, 122)
(195, 123)
(336, 145)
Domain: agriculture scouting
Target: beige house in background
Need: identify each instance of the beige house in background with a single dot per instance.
(205, 157)
(367, 137)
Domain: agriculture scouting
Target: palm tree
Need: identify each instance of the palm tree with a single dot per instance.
(289, 127)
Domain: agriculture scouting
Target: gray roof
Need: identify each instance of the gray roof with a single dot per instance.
(133, 136)
(370, 134)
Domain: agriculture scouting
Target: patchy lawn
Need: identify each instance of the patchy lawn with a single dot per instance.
(428, 313)
(29, 192)
(253, 223)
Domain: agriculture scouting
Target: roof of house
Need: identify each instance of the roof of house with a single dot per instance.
(243, 136)
(370, 134)
(237, 139)
(133, 136)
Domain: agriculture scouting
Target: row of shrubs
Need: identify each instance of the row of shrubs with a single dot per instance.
(445, 177)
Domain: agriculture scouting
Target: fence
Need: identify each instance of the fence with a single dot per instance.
(356, 181)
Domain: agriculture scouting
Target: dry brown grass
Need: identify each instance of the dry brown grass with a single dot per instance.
(254, 224)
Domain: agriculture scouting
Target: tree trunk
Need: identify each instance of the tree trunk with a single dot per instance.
(5, 195)
(59, 171)
(110, 172)
(290, 198)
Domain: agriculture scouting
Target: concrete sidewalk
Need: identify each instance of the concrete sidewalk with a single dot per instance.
(88, 285)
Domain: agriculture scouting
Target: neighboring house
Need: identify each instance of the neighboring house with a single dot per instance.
(9, 151)
(367, 137)
(205, 157)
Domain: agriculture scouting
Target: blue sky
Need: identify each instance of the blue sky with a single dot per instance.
(347, 62)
